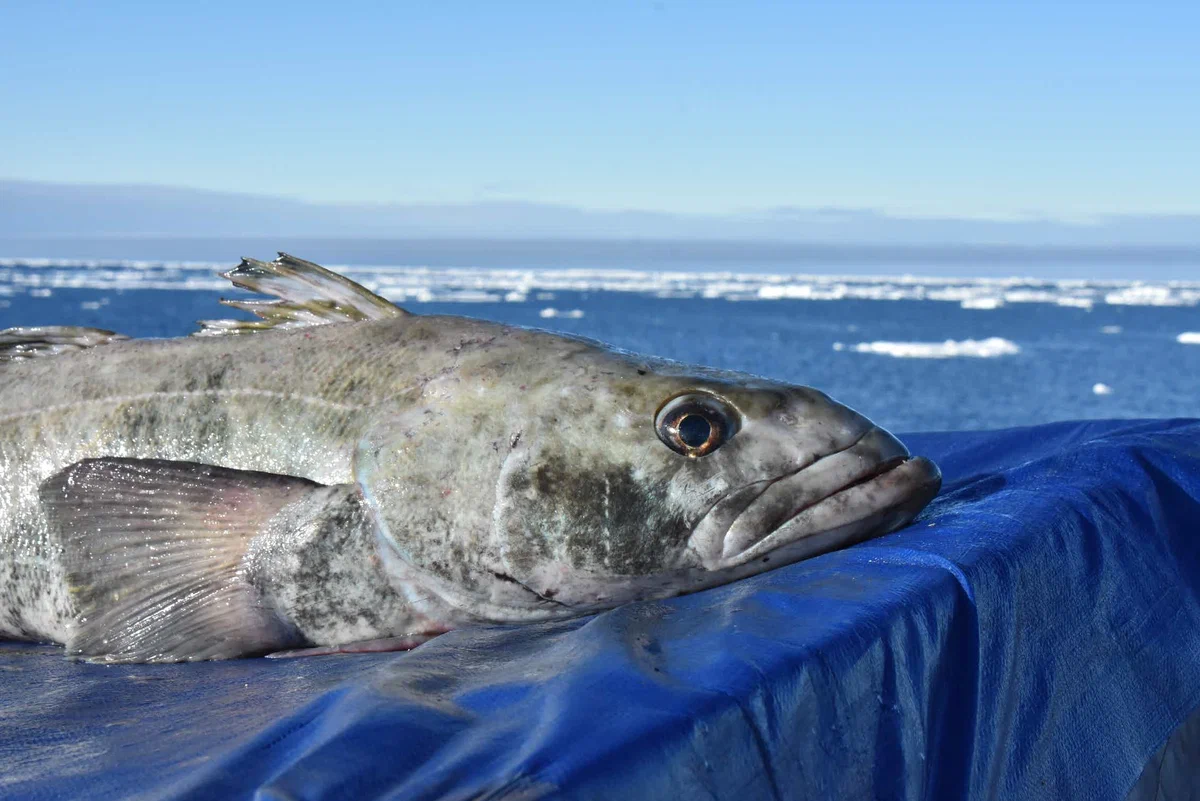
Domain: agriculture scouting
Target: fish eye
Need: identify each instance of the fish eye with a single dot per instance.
(695, 424)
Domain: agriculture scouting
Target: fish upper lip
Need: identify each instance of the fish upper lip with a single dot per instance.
(767, 483)
(886, 466)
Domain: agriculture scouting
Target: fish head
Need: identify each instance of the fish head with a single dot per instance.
(607, 478)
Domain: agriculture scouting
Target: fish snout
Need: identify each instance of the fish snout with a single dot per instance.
(875, 477)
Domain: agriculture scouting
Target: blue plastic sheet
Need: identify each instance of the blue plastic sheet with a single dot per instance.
(1034, 634)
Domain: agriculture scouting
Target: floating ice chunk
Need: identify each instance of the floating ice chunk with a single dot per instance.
(515, 296)
(980, 349)
(41, 293)
(813, 291)
(570, 314)
(1148, 295)
(1102, 389)
(982, 303)
(1075, 302)
(468, 296)
(1111, 329)
(402, 295)
(839, 345)
(1189, 338)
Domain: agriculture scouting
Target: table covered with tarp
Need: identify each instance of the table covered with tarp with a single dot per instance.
(1035, 633)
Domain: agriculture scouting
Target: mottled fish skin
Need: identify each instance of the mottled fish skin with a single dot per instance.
(288, 402)
(473, 471)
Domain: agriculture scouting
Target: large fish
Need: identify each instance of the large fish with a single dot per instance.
(342, 475)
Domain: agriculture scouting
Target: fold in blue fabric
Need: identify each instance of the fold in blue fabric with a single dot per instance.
(1033, 634)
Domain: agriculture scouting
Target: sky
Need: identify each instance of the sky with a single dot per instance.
(982, 109)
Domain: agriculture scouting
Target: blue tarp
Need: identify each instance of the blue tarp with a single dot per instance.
(1034, 634)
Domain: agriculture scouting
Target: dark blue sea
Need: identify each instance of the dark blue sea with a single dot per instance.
(911, 353)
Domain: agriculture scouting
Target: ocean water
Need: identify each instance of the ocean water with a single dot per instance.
(913, 354)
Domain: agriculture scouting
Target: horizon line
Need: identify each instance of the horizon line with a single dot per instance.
(778, 212)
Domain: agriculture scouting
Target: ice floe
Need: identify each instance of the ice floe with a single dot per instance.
(1074, 302)
(569, 314)
(982, 303)
(975, 348)
(1140, 294)
(1189, 338)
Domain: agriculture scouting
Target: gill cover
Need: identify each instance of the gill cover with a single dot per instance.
(524, 506)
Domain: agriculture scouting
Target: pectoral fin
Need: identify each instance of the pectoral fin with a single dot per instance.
(154, 558)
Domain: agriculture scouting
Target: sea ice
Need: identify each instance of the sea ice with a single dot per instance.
(570, 314)
(476, 284)
(1074, 302)
(976, 348)
(982, 303)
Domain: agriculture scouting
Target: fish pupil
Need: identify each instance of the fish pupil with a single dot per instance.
(694, 430)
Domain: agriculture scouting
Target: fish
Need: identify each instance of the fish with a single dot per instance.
(337, 474)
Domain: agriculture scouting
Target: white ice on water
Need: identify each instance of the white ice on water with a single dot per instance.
(975, 348)
(984, 302)
(415, 284)
(1189, 338)
(570, 314)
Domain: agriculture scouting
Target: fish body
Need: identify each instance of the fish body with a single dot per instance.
(353, 476)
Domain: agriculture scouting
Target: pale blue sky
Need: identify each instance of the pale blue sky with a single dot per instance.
(963, 109)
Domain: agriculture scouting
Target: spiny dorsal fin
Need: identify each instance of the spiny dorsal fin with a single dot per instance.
(308, 295)
(17, 344)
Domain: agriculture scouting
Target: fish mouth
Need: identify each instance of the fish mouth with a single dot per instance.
(872, 474)
(870, 507)
(875, 482)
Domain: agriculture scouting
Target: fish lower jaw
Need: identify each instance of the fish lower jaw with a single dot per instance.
(883, 500)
